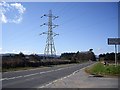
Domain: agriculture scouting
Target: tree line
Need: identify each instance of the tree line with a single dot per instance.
(79, 56)
(109, 57)
(21, 60)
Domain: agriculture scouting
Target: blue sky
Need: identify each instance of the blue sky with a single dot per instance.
(81, 26)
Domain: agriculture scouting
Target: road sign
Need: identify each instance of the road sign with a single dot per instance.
(113, 41)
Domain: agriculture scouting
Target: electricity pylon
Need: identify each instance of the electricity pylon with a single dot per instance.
(50, 47)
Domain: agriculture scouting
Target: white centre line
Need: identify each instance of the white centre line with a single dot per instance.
(30, 74)
(34, 74)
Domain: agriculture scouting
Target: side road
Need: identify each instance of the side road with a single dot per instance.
(81, 79)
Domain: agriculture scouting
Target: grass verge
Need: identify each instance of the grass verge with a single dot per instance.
(100, 69)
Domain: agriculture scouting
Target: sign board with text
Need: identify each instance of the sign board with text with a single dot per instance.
(113, 41)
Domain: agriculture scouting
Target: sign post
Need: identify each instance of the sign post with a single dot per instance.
(115, 54)
(114, 41)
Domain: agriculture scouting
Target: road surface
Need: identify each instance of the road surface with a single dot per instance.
(38, 77)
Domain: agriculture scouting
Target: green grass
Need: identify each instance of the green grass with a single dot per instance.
(104, 70)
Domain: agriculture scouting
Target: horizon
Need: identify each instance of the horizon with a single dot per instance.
(56, 54)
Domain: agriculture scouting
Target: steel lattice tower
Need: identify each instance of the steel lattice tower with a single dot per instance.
(50, 47)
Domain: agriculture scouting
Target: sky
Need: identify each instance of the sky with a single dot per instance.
(82, 26)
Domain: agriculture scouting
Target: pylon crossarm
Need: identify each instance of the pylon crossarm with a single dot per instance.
(54, 17)
(54, 26)
(44, 24)
(54, 34)
(44, 15)
(43, 33)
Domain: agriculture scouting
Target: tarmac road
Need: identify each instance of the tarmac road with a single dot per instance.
(38, 77)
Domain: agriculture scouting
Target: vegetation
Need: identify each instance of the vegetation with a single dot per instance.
(109, 57)
(79, 56)
(21, 61)
(104, 70)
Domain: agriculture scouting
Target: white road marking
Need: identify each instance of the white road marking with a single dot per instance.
(10, 78)
(29, 69)
(64, 77)
(19, 76)
(49, 71)
(3, 79)
(33, 74)
(56, 80)
(23, 70)
(30, 74)
(44, 73)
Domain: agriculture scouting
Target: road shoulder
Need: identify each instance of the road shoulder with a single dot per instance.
(80, 79)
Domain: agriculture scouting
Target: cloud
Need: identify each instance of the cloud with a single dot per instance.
(23, 51)
(3, 18)
(99, 49)
(11, 12)
(18, 6)
(0, 50)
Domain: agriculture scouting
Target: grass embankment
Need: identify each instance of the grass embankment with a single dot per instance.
(104, 70)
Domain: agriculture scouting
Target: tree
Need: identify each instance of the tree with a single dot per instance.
(21, 54)
(90, 50)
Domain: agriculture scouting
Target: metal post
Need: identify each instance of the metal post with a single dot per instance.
(115, 54)
(114, 41)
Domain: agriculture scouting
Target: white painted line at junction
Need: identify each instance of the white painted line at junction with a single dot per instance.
(65, 76)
